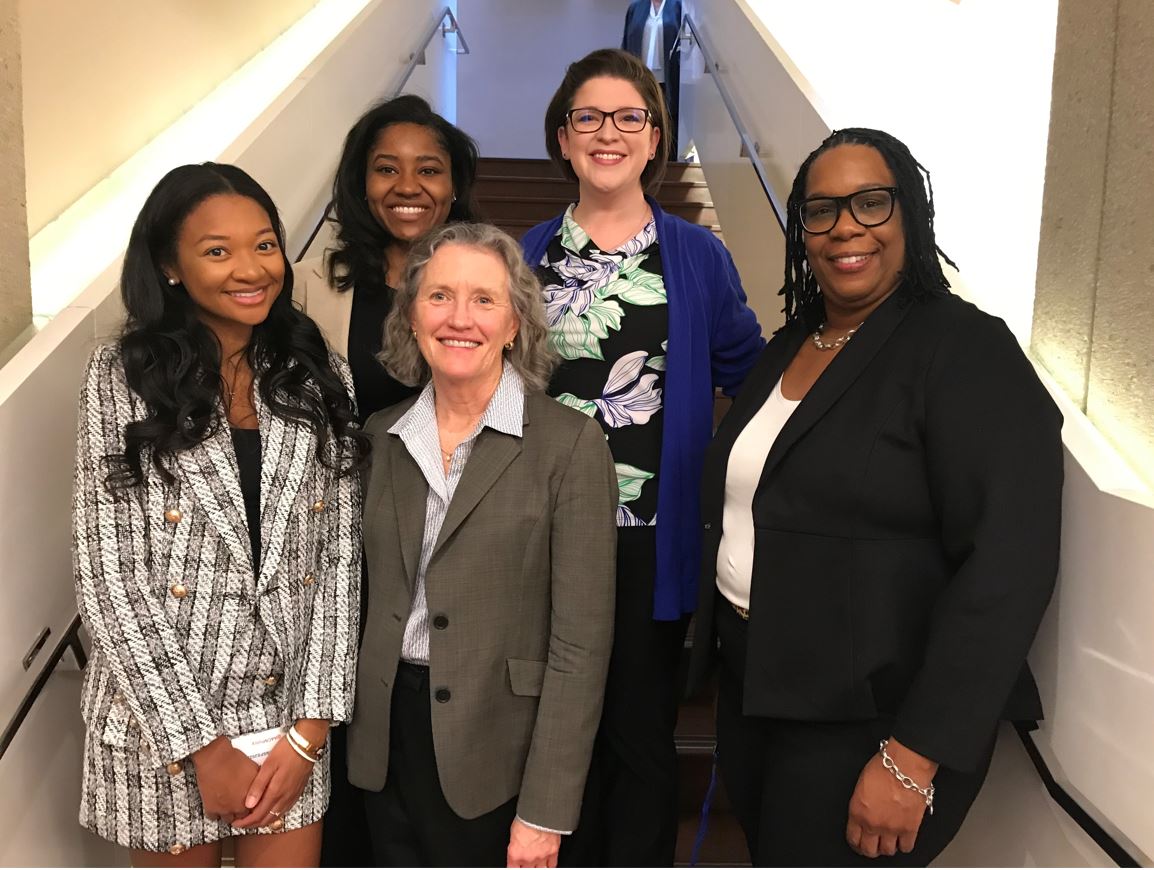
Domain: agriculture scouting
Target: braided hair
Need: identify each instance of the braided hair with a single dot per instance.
(922, 275)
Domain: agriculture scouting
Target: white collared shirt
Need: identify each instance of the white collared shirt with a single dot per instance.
(417, 428)
(653, 42)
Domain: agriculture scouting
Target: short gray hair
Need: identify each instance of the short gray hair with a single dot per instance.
(531, 357)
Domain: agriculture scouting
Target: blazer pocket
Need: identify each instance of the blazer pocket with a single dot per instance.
(116, 725)
(526, 677)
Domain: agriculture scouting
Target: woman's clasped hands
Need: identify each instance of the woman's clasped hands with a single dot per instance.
(238, 791)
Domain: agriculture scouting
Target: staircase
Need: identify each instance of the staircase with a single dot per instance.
(517, 194)
(696, 739)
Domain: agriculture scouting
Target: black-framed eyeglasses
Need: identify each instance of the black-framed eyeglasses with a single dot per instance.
(590, 120)
(870, 208)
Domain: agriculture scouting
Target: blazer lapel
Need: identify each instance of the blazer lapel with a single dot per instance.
(210, 469)
(410, 494)
(850, 362)
(286, 458)
(760, 384)
(490, 457)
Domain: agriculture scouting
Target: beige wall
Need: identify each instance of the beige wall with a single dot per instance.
(101, 79)
(15, 293)
(1094, 309)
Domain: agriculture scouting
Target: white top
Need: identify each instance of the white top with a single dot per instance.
(746, 462)
(653, 42)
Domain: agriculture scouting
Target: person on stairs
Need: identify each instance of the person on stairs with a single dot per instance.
(648, 315)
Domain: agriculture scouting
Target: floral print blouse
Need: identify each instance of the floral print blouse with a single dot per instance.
(609, 321)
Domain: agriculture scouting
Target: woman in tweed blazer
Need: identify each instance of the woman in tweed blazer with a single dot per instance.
(217, 540)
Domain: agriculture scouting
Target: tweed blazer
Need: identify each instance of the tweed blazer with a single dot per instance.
(190, 643)
(331, 309)
(520, 591)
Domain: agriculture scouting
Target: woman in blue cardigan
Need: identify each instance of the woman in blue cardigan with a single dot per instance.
(648, 315)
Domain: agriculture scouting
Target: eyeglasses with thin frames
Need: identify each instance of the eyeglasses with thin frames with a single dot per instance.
(870, 208)
(589, 120)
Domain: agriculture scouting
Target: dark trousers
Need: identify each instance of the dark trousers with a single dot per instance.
(629, 811)
(346, 835)
(410, 822)
(345, 841)
(790, 782)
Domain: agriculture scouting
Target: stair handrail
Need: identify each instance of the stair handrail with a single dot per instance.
(416, 58)
(749, 146)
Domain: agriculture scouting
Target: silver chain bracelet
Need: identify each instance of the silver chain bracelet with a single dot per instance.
(890, 765)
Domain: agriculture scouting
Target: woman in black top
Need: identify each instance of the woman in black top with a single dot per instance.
(404, 170)
(881, 508)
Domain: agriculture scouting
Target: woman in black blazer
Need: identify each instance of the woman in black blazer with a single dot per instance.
(881, 510)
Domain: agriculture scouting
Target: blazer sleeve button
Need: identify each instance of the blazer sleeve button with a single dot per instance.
(271, 680)
(440, 621)
(319, 506)
(174, 767)
(178, 590)
(173, 515)
(443, 695)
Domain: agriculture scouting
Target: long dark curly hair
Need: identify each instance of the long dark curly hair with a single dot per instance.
(358, 257)
(173, 361)
(922, 275)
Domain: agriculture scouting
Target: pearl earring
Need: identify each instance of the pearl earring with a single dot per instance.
(172, 282)
(509, 344)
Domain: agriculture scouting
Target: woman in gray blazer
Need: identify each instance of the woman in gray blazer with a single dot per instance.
(490, 538)
(217, 540)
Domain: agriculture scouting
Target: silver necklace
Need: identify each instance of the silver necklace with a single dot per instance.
(836, 343)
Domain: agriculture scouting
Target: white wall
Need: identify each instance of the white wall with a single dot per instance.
(520, 51)
(967, 87)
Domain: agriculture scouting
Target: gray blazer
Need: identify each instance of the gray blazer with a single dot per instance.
(523, 571)
(188, 641)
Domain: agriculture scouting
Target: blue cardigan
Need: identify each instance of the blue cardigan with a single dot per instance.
(714, 340)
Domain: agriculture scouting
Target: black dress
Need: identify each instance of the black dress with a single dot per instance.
(375, 388)
(246, 443)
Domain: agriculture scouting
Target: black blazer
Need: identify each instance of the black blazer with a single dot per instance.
(906, 530)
